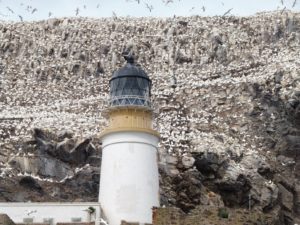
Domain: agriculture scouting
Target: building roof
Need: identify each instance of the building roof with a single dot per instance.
(130, 69)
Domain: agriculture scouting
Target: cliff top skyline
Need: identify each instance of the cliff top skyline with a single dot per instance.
(33, 10)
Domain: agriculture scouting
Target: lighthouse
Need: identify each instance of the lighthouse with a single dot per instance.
(129, 183)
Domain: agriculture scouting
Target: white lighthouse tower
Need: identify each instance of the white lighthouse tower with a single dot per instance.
(129, 183)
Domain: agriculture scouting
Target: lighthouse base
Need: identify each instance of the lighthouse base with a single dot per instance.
(129, 182)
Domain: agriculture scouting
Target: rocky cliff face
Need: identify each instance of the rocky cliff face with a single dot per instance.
(51, 167)
(226, 93)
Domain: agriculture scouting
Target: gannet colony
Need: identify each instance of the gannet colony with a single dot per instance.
(226, 94)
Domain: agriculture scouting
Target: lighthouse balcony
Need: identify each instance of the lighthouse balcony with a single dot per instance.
(129, 101)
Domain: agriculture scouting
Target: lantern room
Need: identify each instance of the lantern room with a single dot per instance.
(130, 86)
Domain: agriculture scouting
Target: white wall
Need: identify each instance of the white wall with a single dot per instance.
(129, 183)
(60, 212)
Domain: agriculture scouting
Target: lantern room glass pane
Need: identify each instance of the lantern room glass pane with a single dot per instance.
(130, 90)
(130, 86)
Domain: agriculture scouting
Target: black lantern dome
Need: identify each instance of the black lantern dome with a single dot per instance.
(130, 86)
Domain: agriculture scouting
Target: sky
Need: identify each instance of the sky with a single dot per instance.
(29, 10)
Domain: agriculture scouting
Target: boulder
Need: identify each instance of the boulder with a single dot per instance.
(173, 160)
(173, 171)
(187, 161)
(63, 147)
(268, 197)
(208, 163)
(287, 198)
(188, 189)
(254, 162)
(43, 165)
(80, 153)
(66, 145)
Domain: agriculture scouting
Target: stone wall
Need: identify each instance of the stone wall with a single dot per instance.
(130, 223)
(32, 224)
(209, 216)
(5, 220)
(167, 216)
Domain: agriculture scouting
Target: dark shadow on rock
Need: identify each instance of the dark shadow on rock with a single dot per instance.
(234, 192)
(209, 164)
(64, 147)
(30, 183)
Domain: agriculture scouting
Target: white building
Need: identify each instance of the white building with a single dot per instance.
(52, 213)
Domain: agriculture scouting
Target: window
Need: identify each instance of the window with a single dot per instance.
(27, 220)
(48, 221)
(76, 219)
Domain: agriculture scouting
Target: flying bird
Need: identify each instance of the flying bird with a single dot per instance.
(192, 9)
(173, 81)
(9, 9)
(227, 12)
(138, 1)
(203, 8)
(98, 6)
(84, 6)
(77, 11)
(281, 2)
(30, 212)
(150, 7)
(168, 1)
(114, 15)
(21, 18)
(28, 8)
(34, 10)
(49, 14)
